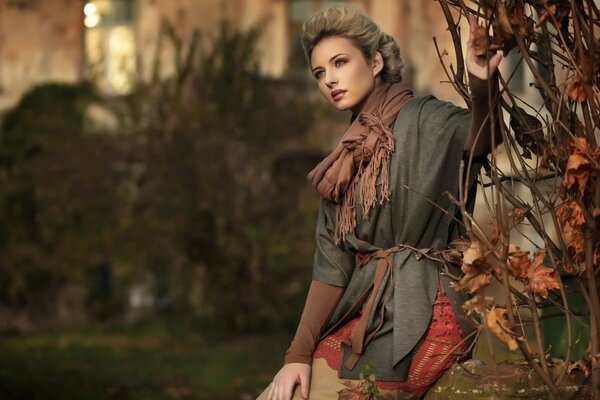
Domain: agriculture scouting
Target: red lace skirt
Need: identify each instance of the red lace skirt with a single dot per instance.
(439, 348)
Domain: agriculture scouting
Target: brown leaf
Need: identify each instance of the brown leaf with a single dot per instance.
(578, 170)
(528, 132)
(580, 365)
(579, 144)
(545, 15)
(477, 271)
(521, 24)
(508, 23)
(478, 304)
(571, 213)
(473, 281)
(496, 322)
(473, 253)
(559, 12)
(541, 279)
(575, 244)
(453, 253)
(518, 261)
(518, 214)
(480, 41)
(575, 89)
(354, 391)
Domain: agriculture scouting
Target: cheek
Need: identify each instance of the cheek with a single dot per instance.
(324, 91)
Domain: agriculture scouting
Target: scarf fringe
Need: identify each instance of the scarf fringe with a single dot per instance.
(377, 166)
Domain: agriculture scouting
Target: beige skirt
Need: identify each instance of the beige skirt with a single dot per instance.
(325, 385)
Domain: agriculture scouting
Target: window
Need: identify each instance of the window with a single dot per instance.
(110, 45)
(298, 12)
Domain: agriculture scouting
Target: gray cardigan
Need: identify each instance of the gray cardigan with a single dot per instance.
(429, 136)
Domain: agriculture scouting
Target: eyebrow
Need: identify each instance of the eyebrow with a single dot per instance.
(337, 55)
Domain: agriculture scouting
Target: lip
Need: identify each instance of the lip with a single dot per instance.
(337, 94)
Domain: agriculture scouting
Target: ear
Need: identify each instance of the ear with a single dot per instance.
(377, 63)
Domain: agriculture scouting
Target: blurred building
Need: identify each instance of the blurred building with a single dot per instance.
(116, 42)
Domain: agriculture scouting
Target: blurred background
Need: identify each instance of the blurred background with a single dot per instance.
(156, 227)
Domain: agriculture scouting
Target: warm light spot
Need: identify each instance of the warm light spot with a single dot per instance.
(121, 62)
(90, 9)
(91, 20)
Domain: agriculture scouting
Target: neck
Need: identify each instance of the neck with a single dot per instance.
(356, 110)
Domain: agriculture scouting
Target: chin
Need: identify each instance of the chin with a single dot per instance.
(342, 106)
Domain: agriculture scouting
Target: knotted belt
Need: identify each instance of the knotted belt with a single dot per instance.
(385, 261)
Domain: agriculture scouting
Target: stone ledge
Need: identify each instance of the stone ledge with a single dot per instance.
(473, 379)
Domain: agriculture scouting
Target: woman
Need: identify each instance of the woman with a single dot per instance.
(374, 302)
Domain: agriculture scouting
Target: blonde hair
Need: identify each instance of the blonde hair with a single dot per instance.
(352, 24)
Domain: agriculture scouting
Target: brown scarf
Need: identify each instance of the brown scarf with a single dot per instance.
(363, 151)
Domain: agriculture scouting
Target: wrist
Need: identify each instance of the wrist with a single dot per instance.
(297, 359)
(480, 87)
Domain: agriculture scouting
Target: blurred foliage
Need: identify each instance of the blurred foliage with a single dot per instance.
(57, 196)
(199, 191)
(161, 359)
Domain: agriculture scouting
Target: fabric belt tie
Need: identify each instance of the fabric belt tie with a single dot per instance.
(358, 339)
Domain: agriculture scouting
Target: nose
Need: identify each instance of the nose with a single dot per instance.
(330, 79)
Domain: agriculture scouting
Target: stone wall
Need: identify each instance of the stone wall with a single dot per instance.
(42, 41)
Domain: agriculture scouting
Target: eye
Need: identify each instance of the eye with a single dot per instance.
(319, 74)
(340, 61)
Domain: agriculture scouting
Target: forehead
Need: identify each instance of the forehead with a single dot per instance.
(330, 47)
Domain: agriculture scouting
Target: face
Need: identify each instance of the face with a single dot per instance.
(343, 74)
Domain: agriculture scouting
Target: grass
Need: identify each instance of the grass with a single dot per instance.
(145, 361)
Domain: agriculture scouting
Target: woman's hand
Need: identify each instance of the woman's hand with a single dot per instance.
(478, 65)
(286, 380)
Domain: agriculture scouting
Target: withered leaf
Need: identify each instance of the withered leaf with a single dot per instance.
(528, 132)
(473, 280)
(509, 22)
(480, 41)
(473, 253)
(578, 365)
(477, 271)
(518, 261)
(521, 24)
(496, 322)
(575, 89)
(453, 253)
(354, 391)
(478, 304)
(571, 213)
(541, 279)
(579, 144)
(575, 243)
(573, 268)
(518, 214)
(578, 170)
(558, 11)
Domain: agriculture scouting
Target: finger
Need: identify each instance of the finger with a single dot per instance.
(305, 384)
(280, 394)
(276, 393)
(271, 392)
(472, 23)
(495, 61)
(288, 391)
